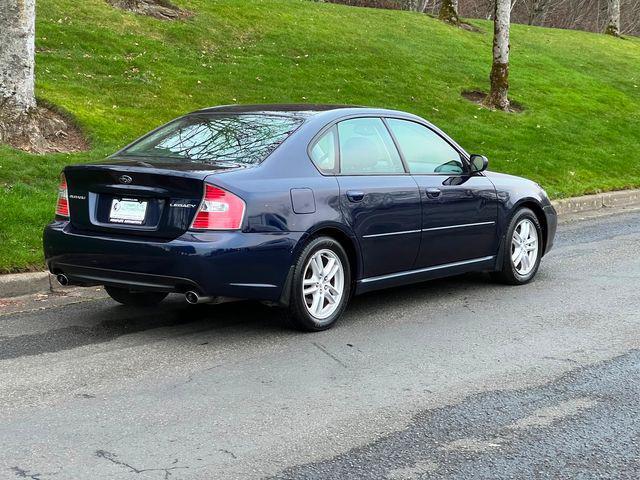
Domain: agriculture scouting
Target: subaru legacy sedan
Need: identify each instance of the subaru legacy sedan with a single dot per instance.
(298, 206)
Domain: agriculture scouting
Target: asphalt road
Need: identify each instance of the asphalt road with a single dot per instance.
(450, 379)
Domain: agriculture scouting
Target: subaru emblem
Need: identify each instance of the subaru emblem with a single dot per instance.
(126, 179)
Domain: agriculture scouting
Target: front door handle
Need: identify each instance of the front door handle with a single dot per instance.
(355, 195)
(433, 192)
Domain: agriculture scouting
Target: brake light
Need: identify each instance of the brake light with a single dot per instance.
(62, 207)
(219, 210)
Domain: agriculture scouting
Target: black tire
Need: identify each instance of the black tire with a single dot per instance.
(299, 316)
(135, 299)
(508, 273)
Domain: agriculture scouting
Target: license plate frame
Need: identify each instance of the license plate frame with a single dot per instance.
(128, 211)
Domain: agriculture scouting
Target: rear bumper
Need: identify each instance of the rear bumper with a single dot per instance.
(229, 264)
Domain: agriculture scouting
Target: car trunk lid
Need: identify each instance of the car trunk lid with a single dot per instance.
(133, 197)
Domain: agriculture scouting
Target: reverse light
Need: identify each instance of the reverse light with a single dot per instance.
(62, 207)
(219, 210)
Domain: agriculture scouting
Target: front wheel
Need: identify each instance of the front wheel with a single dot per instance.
(135, 299)
(523, 249)
(321, 285)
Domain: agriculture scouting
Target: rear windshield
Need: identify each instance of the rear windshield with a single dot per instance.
(242, 139)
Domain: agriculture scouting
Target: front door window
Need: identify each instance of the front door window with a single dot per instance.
(424, 150)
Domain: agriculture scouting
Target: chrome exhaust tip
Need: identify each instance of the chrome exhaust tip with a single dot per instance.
(191, 297)
(62, 279)
(194, 298)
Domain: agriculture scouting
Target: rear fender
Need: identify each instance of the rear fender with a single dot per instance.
(334, 230)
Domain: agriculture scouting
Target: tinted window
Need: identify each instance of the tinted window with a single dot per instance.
(367, 148)
(236, 139)
(323, 152)
(424, 150)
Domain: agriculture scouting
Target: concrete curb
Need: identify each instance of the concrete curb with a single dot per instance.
(589, 203)
(17, 284)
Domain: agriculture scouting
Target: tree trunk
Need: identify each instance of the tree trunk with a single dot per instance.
(17, 49)
(23, 124)
(498, 96)
(160, 9)
(613, 24)
(20, 120)
(449, 12)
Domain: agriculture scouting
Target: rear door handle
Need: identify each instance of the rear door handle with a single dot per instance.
(355, 195)
(433, 192)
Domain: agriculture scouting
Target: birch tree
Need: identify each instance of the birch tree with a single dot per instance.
(613, 13)
(23, 123)
(17, 49)
(498, 95)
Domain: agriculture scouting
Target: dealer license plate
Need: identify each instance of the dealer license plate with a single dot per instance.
(129, 211)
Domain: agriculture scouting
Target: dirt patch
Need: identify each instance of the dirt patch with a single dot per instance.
(469, 27)
(44, 130)
(478, 97)
(160, 9)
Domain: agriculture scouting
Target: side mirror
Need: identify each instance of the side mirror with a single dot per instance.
(479, 163)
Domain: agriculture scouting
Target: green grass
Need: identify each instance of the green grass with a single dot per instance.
(120, 75)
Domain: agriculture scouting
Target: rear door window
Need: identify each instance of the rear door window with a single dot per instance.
(366, 148)
(424, 150)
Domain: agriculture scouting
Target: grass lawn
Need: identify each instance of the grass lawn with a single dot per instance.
(120, 75)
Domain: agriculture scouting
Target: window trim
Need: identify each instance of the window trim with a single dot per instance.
(405, 164)
(464, 158)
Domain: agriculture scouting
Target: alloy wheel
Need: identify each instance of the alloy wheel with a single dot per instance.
(323, 284)
(524, 247)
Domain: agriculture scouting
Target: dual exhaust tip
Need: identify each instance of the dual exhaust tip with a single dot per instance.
(191, 297)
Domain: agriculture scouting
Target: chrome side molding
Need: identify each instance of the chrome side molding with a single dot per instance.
(391, 233)
(447, 227)
(464, 225)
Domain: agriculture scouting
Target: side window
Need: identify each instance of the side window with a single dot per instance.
(323, 152)
(367, 148)
(424, 150)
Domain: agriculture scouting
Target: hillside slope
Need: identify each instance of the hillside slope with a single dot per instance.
(120, 74)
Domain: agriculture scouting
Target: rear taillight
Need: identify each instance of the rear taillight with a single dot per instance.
(62, 207)
(219, 210)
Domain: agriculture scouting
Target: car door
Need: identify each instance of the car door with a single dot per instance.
(459, 209)
(379, 199)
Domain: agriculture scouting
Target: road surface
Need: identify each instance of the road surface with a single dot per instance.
(459, 378)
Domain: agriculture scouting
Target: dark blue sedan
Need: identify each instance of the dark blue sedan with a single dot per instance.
(300, 206)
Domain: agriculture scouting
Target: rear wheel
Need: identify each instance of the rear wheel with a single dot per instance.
(321, 285)
(135, 299)
(523, 249)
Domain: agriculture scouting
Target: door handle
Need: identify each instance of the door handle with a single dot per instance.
(355, 196)
(433, 192)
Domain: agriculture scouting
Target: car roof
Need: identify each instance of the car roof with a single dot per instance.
(276, 107)
(307, 111)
